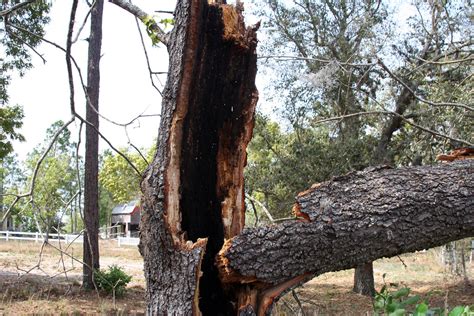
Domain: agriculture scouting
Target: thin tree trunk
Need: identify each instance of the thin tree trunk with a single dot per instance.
(364, 279)
(363, 275)
(91, 196)
(3, 225)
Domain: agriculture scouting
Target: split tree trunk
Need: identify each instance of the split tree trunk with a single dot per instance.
(193, 190)
(352, 220)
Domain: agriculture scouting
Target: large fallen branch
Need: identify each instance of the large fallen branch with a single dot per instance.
(352, 220)
(193, 191)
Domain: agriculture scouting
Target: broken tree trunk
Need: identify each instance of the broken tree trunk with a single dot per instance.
(351, 220)
(193, 191)
(193, 195)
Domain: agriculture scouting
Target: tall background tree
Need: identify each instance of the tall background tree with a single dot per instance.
(55, 187)
(12, 179)
(358, 89)
(91, 163)
(118, 182)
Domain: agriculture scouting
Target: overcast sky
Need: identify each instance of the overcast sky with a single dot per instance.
(125, 92)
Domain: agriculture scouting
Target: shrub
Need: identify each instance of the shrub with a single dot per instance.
(114, 280)
(398, 302)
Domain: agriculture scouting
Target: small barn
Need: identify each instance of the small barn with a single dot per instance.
(126, 217)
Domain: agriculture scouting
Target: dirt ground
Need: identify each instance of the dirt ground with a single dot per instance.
(46, 289)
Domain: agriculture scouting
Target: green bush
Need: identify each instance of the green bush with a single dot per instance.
(399, 303)
(113, 280)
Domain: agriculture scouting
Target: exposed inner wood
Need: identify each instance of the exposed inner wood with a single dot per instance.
(268, 297)
(247, 302)
(457, 154)
(202, 244)
(175, 141)
(210, 128)
(207, 114)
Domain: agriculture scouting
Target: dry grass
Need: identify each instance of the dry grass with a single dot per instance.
(329, 294)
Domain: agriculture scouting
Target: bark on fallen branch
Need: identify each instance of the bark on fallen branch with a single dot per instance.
(357, 218)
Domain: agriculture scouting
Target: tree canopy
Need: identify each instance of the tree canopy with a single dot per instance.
(356, 86)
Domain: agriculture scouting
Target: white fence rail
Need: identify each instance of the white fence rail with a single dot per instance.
(67, 238)
(37, 237)
(130, 241)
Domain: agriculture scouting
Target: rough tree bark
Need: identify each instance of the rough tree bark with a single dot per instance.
(91, 167)
(197, 257)
(357, 218)
(193, 190)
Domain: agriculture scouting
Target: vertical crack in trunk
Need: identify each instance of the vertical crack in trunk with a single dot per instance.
(194, 189)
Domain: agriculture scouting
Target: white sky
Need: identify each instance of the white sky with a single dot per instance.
(125, 92)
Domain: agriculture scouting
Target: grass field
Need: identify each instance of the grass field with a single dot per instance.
(46, 289)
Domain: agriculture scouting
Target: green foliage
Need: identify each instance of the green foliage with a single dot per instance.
(118, 182)
(106, 204)
(152, 27)
(150, 24)
(118, 178)
(113, 281)
(10, 121)
(336, 42)
(280, 164)
(18, 40)
(16, 47)
(396, 302)
(56, 180)
(399, 302)
(167, 22)
(12, 180)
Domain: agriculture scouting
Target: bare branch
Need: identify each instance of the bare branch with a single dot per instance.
(265, 210)
(166, 12)
(84, 22)
(252, 203)
(81, 79)
(430, 131)
(68, 55)
(150, 72)
(342, 117)
(404, 118)
(144, 17)
(25, 43)
(15, 7)
(321, 60)
(36, 169)
(406, 86)
(78, 173)
(71, 87)
(139, 152)
(446, 62)
(295, 296)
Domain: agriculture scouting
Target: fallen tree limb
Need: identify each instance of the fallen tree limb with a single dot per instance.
(193, 191)
(354, 219)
